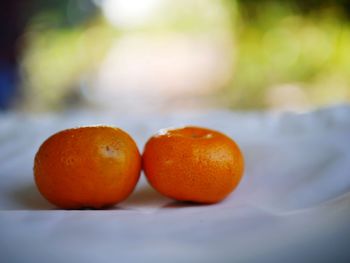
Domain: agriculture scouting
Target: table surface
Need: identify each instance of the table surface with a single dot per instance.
(293, 204)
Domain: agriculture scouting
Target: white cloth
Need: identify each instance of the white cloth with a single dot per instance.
(293, 204)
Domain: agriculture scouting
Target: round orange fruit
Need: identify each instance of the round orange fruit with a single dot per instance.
(193, 164)
(87, 167)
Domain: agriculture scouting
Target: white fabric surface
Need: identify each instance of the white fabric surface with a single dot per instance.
(293, 204)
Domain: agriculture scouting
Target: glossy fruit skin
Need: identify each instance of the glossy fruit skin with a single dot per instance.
(193, 164)
(87, 167)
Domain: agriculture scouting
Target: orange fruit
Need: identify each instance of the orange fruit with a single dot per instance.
(193, 164)
(87, 167)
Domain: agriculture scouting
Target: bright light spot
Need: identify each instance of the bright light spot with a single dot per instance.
(129, 13)
(146, 71)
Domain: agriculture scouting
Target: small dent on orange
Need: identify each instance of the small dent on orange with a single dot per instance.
(109, 151)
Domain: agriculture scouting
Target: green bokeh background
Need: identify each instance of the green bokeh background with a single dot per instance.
(288, 48)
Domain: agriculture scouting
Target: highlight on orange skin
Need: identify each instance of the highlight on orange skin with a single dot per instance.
(87, 167)
(193, 164)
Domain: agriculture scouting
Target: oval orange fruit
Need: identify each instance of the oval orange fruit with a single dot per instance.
(87, 167)
(193, 164)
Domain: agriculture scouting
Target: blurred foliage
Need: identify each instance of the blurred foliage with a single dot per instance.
(54, 69)
(277, 44)
(290, 42)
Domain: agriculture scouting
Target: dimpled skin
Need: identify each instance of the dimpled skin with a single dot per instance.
(87, 167)
(193, 164)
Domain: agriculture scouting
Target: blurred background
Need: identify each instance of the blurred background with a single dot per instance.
(160, 55)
